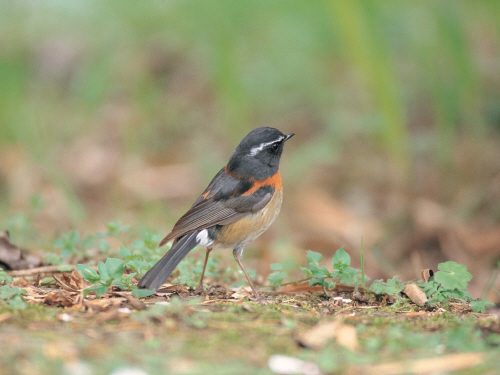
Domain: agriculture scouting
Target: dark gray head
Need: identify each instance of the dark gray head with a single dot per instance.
(258, 154)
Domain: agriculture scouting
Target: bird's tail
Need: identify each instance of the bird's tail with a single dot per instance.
(158, 274)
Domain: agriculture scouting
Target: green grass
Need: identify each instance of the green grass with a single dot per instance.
(248, 335)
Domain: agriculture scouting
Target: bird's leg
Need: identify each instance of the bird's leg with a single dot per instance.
(200, 285)
(237, 256)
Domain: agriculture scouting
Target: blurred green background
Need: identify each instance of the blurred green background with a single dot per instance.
(126, 109)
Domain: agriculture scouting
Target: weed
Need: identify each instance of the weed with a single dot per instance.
(135, 261)
(116, 229)
(13, 296)
(276, 278)
(450, 282)
(4, 277)
(392, 287)
(110, 274)
(342, 271)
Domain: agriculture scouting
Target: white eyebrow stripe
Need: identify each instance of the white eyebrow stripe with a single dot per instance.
(255, 150)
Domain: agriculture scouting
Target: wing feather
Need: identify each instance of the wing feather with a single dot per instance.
(217, 207)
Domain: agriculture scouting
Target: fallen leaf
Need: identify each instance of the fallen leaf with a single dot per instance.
(427, 274)
(13, 257)
(416, 295)
(59, 298)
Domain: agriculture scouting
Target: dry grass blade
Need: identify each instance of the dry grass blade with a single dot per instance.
(63, 285)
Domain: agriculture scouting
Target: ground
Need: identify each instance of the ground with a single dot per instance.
(225, 332)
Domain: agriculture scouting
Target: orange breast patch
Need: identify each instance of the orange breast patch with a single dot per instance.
(273, 181)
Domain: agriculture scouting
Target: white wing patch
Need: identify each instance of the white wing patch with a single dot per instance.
(255, 150)
(203, 239)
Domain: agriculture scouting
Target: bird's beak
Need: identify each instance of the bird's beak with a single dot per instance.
(288, 136)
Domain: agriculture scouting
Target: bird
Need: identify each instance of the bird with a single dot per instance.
(239, 204)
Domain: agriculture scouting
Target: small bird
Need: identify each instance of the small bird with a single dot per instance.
(239, 204)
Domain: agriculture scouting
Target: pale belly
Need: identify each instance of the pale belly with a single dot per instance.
(252, 226)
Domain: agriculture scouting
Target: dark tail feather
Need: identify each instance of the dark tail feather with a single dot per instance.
(156, 276)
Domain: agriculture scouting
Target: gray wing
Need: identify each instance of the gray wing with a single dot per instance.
(219, 206)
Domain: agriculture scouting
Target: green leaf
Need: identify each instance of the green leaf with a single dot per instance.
(378, 287)
(87, 242)
(98, 289)
(330, 285)
(53, 258)
(340, 258)
(307, 271)
(319, 272)
(47, 281)
(89, 274)
(65, 268)
(276, 266)
(391, 286)
(116, 227)
(104, 277)
(4, 278)
(124, 252)
(115, 268)
(138, 244)
(104, 246)
(313, 257)
(317, 281)
(452, 275)
(141, 293)
(17, 303)
(7, 292)
(276, 278)
(480, 305)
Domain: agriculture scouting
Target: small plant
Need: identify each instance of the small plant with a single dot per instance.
(451, 281)
(71, 244)
(276, 278)
(4, 277)
(116, 229)
(392, 287)
(13, 296)
(135, 261)
(110, 274)
(342, 270)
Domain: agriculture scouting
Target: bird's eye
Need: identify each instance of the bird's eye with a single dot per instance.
(275, 147)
